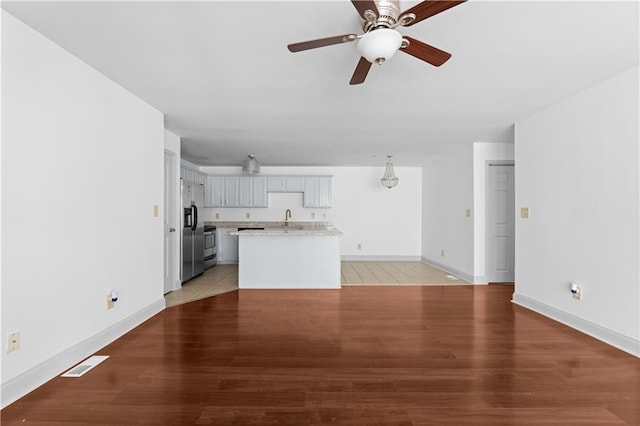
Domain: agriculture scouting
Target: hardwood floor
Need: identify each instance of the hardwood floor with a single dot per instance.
(383, 355)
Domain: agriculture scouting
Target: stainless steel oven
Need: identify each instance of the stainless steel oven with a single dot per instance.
(210, 247)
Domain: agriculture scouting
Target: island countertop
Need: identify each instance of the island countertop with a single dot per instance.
(289, 232)
(267, 224)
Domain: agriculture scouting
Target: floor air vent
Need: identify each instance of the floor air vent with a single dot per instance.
(85, 366)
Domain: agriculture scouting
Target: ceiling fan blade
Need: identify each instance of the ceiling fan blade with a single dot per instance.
(425, 52)
(429, 8)
(364, 5)
(321, 42)
(360, 74)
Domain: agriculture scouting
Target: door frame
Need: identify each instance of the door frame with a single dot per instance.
(171, 217)
(489, 227)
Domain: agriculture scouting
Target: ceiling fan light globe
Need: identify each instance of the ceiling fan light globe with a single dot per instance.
(379, 45)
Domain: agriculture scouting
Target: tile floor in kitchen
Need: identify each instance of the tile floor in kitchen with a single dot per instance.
(224, 278)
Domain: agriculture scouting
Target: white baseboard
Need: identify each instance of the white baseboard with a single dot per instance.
(603, 334)
(462, 275)
(26, 382)
(374, 258)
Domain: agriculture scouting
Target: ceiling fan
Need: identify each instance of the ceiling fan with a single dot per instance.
(380, 39)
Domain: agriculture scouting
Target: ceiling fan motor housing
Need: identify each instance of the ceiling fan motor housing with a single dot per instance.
(388, 12)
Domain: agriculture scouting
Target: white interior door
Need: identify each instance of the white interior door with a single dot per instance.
(169, 221)
(500, 224)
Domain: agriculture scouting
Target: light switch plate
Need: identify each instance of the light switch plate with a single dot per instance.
(14, 342)
(524, 212)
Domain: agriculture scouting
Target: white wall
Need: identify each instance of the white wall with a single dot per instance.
(577, 170)
(454, 181)
(447, 193)
(484, 153)
(172, 145)
(81, 173)
(386, 222)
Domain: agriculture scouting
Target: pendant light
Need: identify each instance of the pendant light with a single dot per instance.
(389, 179)
(251, 165)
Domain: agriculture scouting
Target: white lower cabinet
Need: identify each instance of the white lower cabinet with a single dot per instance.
(227, 245)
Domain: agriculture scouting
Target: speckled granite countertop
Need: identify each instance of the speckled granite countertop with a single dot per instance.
(289, 232)
(279, 224)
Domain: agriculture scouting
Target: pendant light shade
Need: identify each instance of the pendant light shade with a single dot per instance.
(389, 180)
(377, 46)
(251, 165)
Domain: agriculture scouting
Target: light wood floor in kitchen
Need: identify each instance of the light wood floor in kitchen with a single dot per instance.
(224, 278)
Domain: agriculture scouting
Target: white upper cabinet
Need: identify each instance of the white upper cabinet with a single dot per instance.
(285, 183)
(295, 183)
(214, 191)
(324, 191)
(260, 196)
(245, 191)
(192, 176)
(231, 195)
(317, 191)
(236, 191)
(252, 191)
(276, 184)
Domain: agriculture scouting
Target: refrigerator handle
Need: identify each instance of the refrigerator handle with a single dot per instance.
(195, 218)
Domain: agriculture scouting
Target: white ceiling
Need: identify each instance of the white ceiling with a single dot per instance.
(222, 75)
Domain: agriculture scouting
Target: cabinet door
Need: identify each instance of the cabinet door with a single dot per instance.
(215, 191)
(201, 178)
(310, 192)
(245, 191)
(260, 197)
(230, 245)
(276, 184)
(295, 184)
(227, 245)
(230, 191)
(324, 191)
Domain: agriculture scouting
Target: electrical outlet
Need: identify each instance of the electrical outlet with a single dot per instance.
(313, 215)
(248, 215)
(359, 246)
(442, 252)
(110, 303)
(217, 215)
(578, 293)
(14, 342)
(468, 213)
(524, 212)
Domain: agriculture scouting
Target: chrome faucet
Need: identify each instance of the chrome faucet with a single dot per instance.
(287, 216)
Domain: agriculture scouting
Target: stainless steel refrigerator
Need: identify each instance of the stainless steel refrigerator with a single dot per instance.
(192, 247)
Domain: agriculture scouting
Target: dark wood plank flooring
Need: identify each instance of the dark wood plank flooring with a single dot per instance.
(459, 355)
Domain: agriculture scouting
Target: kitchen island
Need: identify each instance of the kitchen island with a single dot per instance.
(281, 258)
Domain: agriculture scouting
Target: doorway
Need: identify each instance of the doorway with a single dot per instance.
(500, 216)
(169, 221)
